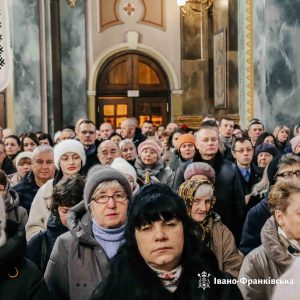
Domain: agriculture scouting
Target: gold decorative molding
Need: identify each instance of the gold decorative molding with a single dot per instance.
(108, 14)
(249, 60)
(154, 13)
(194, 121)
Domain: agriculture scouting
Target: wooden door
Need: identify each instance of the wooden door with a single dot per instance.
(113, 110)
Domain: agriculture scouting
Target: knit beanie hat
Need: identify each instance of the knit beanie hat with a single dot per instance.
(2, 223)
(186, 138)
(68, 146)
(187, 191)
(124, 167)
(269, 148)
(57, 136)
(150, 144)
(25, 154)
(200, 168)
(295, 141)
(98, 174)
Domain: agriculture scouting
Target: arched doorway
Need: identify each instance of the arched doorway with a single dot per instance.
(131, 84)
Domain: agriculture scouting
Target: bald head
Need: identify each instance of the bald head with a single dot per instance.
(106, 131)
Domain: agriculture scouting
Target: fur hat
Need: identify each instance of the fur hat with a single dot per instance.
(124, 167)
(98, 174)
(2, 223)
(269, 148)
(200, 168)
(150, 144)
(25, 154)
(68, 146)
(295, 141)
(186, 138)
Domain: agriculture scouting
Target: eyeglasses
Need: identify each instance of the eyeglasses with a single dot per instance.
(117, 197)
(289, 174)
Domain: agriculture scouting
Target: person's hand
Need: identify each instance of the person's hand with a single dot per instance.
(247, 198)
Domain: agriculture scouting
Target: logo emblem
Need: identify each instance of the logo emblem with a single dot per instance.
(204, 282)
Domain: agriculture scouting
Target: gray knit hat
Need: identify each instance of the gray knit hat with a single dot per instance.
(98, 174)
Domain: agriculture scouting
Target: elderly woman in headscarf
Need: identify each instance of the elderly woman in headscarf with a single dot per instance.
(200, 200)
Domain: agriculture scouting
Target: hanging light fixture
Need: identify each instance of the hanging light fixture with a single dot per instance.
(194, 7)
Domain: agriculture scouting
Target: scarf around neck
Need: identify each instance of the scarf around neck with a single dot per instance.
(169, 279)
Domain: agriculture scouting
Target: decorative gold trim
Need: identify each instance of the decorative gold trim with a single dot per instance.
(194, 121)
(160, 25)
(116, 21)
(249, 60)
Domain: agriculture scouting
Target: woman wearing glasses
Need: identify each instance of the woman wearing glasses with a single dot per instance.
(199, 199)
(280, 238)
(80, 258)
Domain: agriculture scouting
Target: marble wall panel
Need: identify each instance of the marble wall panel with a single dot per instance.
(73, 59)
(25, 44)
(277, 62)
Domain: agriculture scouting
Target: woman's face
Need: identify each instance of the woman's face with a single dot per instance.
(282, 136)
(269, 140)
(164, 142)
(297, 149)
(62, 212)
(160, 130)
(11, 146)
(202, 203)
(44, 142)
(161, 243)
(175, 139)
(24, 166)
(29, 144)
(70, 163)
(112, 214)
(149, 156)
(289, 220)
(116, 139)
(129, 152)
(187, 151)
(263, 159)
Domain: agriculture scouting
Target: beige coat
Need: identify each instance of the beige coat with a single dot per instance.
(223, 245)
(40, 210)
(268, 261)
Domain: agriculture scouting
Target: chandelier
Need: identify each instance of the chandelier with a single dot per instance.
(194, 7)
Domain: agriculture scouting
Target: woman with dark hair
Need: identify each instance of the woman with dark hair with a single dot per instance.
(29, 142)
(66, 194)
(12, 146)
(161, 257)
(19, 277)
(45, 139)
(266, 138)
(115, 137)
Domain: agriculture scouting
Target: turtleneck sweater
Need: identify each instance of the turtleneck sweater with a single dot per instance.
(109, 239)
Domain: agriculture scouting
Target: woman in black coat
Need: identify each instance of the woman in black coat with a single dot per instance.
(162, 258)
(19, 277)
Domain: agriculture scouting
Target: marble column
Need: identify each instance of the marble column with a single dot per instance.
(277, 62)
(26, 74)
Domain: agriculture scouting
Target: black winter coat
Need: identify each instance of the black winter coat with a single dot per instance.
(27, 190)
(230, 204)
(8, 166)
(255, 220)
(40, 245)
(19, 277)
(131, 278)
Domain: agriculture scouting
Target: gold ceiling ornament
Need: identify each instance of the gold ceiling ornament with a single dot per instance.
(71, 3)
(195, 7)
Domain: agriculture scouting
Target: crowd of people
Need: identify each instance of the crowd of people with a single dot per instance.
(150, 212)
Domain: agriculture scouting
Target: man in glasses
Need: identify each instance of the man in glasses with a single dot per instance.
(80, 257)
(279, 169)
(250, 174)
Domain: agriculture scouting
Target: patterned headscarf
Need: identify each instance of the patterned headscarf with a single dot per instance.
(187, 191)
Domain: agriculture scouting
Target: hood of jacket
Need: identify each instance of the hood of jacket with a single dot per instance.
(12, 253)
(275, 250)
(79, 222)
(55, 226)
(11, 200)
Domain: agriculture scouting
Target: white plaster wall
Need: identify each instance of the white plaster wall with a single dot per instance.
(166, 42)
